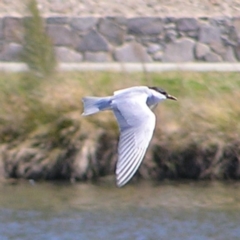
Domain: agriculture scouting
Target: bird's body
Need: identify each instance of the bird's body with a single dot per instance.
(132, 108)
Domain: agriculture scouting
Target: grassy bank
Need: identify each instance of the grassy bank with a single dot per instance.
(196, 137)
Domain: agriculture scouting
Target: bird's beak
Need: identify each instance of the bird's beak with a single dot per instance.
(171, 97)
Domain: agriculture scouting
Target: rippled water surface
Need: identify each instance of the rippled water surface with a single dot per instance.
(176, 211)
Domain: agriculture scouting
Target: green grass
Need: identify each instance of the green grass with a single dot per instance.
(38, 50)
(207, 109)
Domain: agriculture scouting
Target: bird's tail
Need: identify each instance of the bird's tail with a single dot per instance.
(95, 104)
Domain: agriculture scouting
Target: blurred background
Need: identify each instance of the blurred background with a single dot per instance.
(57, 167)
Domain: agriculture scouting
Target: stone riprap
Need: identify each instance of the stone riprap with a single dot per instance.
(138, 39)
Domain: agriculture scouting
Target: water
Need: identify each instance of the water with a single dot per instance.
(143, 211)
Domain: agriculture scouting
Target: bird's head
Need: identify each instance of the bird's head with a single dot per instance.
(164, 93)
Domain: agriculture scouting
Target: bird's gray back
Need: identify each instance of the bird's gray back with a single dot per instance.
(132, 91)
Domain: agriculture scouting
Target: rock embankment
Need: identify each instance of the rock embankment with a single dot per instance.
(138, 39)
(132, 31)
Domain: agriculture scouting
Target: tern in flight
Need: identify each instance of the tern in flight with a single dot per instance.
(132, 109)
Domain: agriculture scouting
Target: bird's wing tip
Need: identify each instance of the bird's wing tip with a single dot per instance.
(120, 184)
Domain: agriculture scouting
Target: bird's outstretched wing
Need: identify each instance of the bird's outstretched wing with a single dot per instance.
(136, 122)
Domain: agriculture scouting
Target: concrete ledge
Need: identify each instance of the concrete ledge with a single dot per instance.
(132, 67)
(151, 67)
(13, 67)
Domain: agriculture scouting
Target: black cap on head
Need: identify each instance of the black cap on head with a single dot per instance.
(162, 91)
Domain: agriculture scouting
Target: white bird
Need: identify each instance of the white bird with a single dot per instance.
(132, 108)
